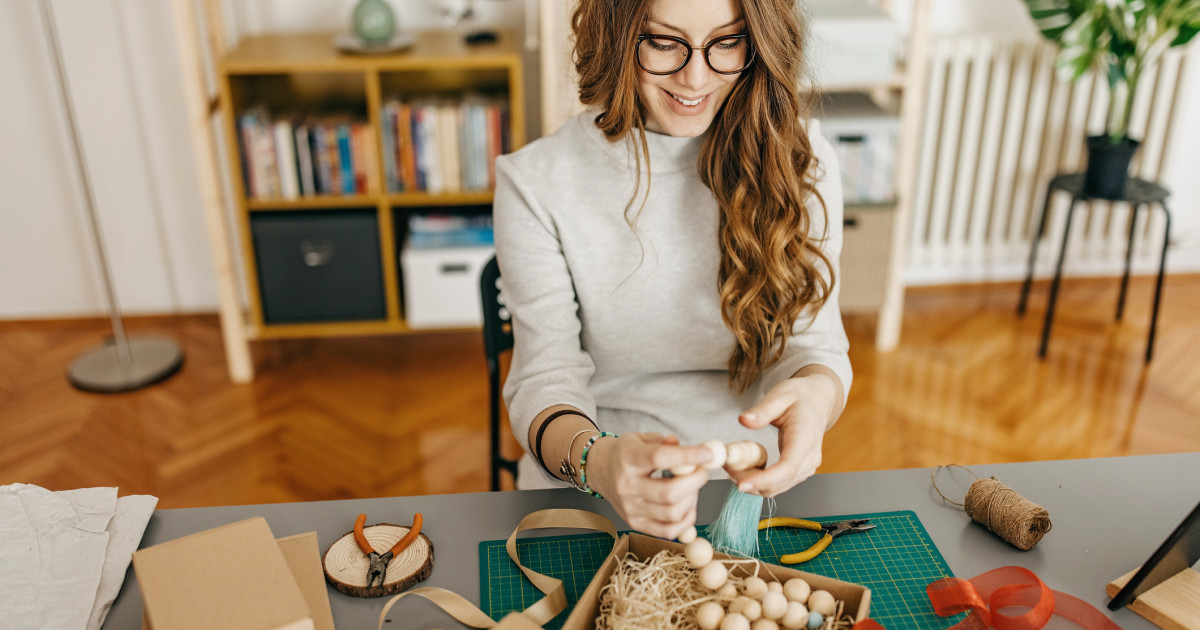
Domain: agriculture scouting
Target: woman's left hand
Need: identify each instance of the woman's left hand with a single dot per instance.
(801, 407)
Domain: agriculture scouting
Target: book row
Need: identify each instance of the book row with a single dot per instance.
(440, 145)
(292, 155)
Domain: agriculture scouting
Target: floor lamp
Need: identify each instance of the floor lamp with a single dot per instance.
(122, 363)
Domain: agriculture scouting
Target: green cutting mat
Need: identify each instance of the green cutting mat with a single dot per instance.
(895, 560)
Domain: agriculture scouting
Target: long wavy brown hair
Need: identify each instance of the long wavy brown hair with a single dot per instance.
(757, 161)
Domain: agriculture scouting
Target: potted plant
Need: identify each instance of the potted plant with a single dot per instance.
(1120, 40)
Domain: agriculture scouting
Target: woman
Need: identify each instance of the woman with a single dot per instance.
(669, 261)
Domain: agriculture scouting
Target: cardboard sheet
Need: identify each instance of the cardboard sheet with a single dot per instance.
(233, 577)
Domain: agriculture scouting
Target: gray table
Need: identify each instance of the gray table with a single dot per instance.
(1108, 514)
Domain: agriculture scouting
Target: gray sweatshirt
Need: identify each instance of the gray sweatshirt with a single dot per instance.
(623, 322)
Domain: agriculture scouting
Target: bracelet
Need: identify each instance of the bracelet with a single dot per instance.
(583, 462)
(565, 466)
(537, 442)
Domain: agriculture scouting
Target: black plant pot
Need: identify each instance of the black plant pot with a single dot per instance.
(1108, 166)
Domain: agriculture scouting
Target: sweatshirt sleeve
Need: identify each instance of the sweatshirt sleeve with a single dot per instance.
(820, 338)
(549, 365)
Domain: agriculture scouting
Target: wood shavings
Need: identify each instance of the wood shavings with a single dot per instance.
(662, 592)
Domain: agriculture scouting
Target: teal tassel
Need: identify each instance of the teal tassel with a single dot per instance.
(735, 531)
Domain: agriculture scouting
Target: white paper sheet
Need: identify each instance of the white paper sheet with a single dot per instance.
(55, 548)
(125, 532)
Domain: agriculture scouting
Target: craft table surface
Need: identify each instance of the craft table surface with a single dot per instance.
(1109, 515)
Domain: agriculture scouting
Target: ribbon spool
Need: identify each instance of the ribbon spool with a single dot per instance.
(1012, 517)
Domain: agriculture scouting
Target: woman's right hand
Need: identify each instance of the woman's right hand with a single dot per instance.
(620, 469)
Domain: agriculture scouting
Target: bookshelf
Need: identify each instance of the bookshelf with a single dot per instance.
(303, 80)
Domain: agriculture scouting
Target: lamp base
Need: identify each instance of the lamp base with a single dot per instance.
(103, 370)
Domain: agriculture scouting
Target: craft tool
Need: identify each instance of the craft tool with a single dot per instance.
(831, 530)
(379, 562)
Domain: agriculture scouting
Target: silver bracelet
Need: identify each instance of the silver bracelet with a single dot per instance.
(566, 468)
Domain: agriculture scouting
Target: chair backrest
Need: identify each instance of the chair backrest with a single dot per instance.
(497, 338)
(497, 324)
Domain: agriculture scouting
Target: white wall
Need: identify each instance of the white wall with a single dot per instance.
(124, 74)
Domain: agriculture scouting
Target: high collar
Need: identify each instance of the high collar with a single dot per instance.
(668, 154)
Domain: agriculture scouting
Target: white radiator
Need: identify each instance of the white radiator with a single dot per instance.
(998, 125)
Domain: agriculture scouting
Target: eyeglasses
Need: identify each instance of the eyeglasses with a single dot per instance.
(667, 54)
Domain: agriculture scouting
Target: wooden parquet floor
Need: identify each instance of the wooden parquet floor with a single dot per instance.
(405, 415)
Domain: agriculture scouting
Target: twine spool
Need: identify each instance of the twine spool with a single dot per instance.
(1019, 521)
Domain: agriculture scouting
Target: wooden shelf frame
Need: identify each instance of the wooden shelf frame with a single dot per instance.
(438, 63)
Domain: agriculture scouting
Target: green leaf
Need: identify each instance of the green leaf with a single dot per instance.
(1186, 33)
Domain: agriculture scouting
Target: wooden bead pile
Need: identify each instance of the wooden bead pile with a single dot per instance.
(760, 605)
(742, 455)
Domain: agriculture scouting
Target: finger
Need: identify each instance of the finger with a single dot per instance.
(669, 490)
(668, 514)
(666, 457)
(767, 410)
(782, 476)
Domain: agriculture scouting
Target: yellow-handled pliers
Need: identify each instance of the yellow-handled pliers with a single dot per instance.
(832, 530)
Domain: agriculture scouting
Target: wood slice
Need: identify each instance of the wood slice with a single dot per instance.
(346, 565)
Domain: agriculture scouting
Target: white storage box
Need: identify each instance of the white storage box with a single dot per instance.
(866, 139)
(441, 285)
(854, 43)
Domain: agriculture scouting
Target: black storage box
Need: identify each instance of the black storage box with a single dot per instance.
(318, 266)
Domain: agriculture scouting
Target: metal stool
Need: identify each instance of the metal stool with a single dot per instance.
(1138, 193)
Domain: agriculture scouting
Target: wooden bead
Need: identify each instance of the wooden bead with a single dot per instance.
(709, 616)
(734, 454)
(764, 624)
(797, 590)
(751, 609)
(718, 453)
(735, 621)
(754, 587)
(796, 616)
(714, 576)
(815, 620)
(728, 593)
(774, 587)
(774, 605)
(699, 552)
(688, 535)
(822, 602)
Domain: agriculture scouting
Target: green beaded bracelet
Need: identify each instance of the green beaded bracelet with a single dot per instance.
(583, 463)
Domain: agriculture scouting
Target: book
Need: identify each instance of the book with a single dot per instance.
(285, 159)
(304, 165)
(388, 136)
(345, 158)
(405, 148)
(447, 139)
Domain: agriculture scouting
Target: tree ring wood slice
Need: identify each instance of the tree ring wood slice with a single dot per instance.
(346, 565)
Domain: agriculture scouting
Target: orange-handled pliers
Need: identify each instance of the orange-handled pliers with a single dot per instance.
(379, 561)
(832, 530)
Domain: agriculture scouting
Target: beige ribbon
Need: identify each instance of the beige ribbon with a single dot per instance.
(538, 614)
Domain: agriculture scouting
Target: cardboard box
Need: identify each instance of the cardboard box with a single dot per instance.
(856, 597)
(854, 43)
(233, 577)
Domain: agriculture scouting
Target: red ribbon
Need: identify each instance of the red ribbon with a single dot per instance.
(987, 597)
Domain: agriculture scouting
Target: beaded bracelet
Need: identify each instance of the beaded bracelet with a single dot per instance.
(583, 463)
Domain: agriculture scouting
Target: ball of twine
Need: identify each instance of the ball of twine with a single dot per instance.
(1012, 517)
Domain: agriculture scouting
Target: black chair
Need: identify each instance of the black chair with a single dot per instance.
(497, 339)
